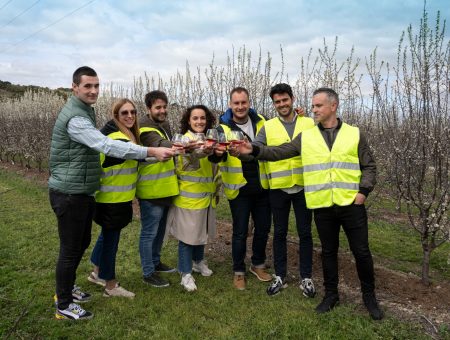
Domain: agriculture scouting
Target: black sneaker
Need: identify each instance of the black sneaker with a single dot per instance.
(73, 312)
(370, 301)
(164, 268)
(307, 286)
(330, 300)
(276, 286)
(78, 296)
(156, 281)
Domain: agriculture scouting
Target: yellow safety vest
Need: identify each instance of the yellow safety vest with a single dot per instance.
(117, 182)
(331, 177)
(287, 172)
(156, 180)
(197, 188)
(232, 177)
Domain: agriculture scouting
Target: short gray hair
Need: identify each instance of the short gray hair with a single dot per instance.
(331, 94)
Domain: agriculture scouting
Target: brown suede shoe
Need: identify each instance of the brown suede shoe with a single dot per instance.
(239, 282)
(261, 274)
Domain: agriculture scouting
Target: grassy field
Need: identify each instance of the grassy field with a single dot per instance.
(28, 251)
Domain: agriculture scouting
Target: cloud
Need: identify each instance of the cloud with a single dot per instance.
(125, 39)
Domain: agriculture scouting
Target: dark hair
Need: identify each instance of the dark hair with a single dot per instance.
(153, 96)
(239, 89)
(280, 89)
(331, 94)
(184, 123)
(82, 71)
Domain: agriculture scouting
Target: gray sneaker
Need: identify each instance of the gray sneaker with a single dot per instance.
(93, 277)
(155, 280)
(118, 290)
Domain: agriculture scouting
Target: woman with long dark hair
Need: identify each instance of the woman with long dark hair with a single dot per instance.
(192, 217)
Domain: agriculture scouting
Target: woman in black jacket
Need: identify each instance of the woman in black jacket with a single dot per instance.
(114, 199)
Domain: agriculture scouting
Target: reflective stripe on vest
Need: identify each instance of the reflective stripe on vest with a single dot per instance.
(117, 188)
(331, 177)
(156, 180)
(197, 187)
(117, 182)
(288, 172)
(232, 177)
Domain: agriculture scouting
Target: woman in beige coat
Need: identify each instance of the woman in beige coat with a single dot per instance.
(192, 217)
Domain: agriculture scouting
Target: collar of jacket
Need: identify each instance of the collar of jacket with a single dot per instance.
(337, 127)
(81, 104)
(109, 128)
(227, 118)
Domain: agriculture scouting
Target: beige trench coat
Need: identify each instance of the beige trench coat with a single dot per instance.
(193, 226)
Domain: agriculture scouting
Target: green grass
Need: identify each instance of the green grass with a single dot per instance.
(29, 248)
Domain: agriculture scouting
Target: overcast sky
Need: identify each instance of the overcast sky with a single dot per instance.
(43, 42)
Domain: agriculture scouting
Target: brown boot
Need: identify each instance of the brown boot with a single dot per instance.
(261, 274)
(239, 282)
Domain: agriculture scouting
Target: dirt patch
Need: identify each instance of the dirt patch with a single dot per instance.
(400, 294)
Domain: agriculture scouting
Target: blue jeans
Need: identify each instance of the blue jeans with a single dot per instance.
(153, 227)
(188, 253)
(280, 203)
(241, 207)
(104, 253)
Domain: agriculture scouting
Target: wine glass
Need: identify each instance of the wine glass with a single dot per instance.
(222, 139)
(236, 137)
(179, 141)
(212, 136)
(199, 139)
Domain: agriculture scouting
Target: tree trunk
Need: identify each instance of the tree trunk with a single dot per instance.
(426, 265)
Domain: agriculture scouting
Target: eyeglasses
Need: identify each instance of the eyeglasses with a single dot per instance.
(126, 113)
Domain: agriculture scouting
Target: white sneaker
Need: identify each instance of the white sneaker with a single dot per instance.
(93, 277)
(202, 268)
(188, 282)
(118, 291)
(73, 312)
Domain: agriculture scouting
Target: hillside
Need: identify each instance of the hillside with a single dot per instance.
(8, 90)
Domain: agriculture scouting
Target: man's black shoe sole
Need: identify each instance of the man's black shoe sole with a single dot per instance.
(156, 286)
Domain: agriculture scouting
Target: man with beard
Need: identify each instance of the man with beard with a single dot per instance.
(157, 185)
(285, 178)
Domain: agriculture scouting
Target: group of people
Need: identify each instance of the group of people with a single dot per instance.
(284, 161)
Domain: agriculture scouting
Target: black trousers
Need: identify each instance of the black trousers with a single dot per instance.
(353, 219)
(242, 207)
(74, 214)
(280, 203)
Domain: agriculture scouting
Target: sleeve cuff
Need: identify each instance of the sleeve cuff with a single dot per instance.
(256, 150)
(364, 191)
